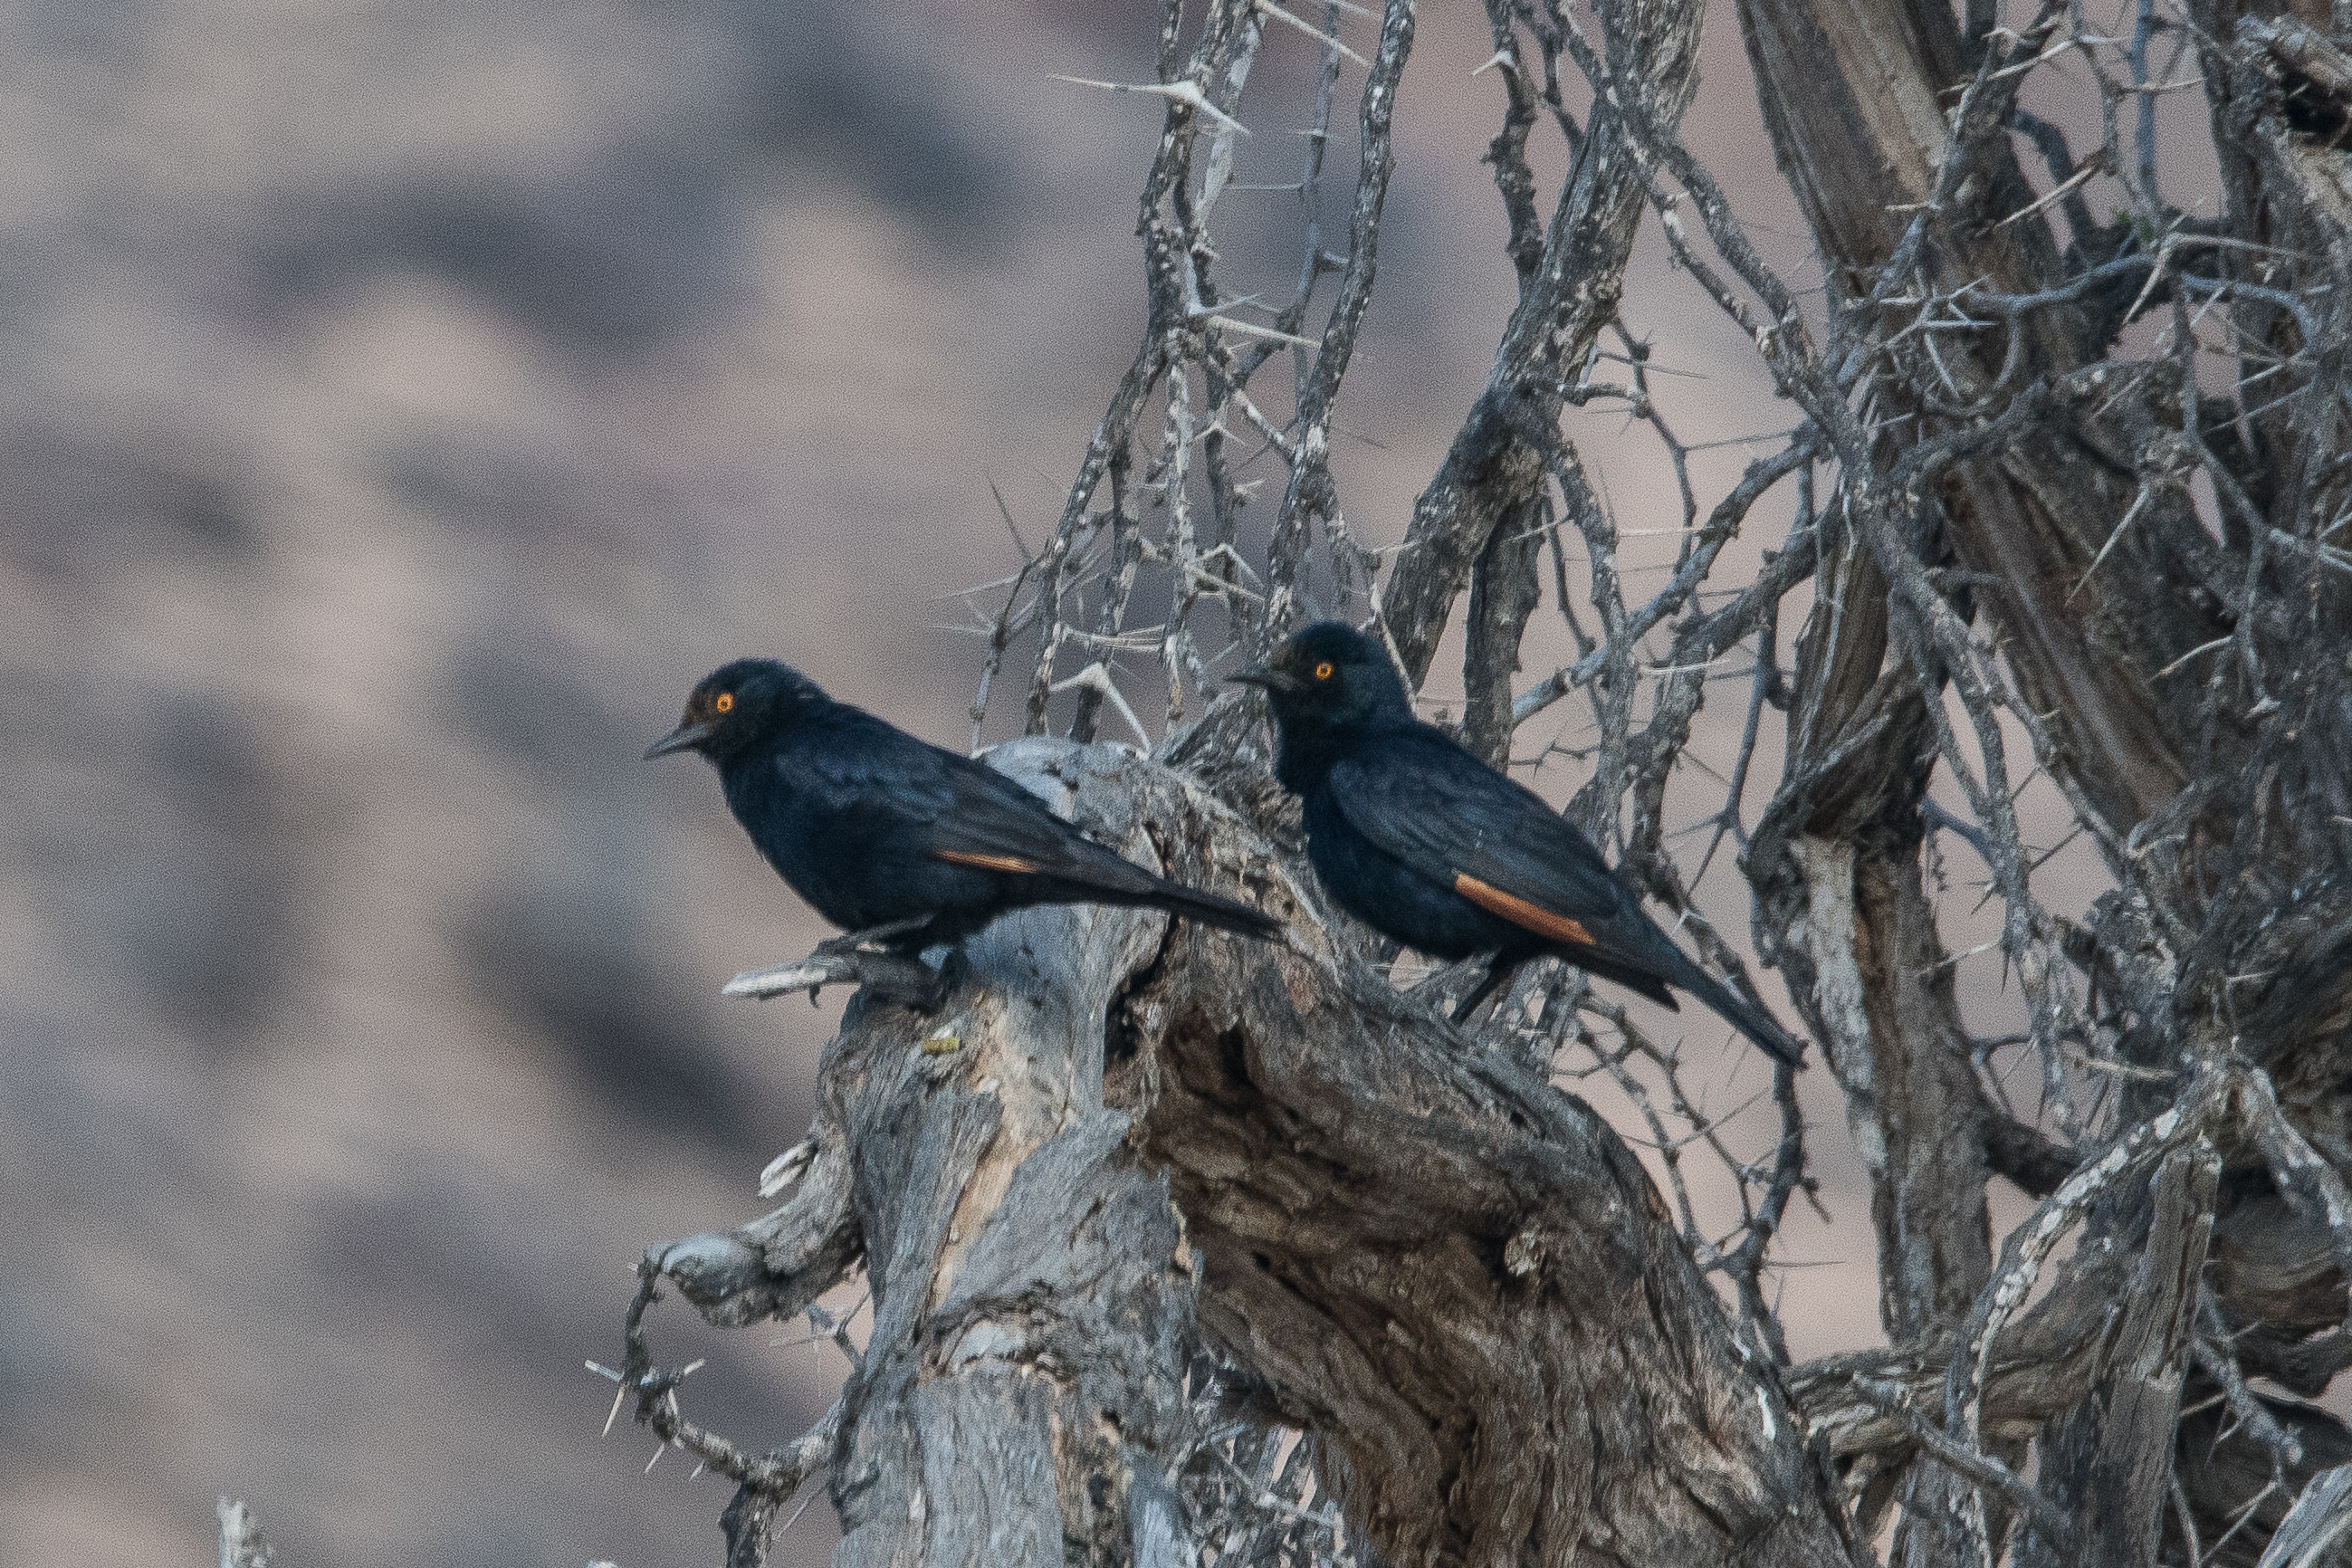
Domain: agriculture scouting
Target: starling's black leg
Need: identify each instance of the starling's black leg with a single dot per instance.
(894, 970)
(898, 972)
(1497, 973)
(953, 970)
(900, 976)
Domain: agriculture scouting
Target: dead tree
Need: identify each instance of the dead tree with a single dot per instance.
(1183, 1250)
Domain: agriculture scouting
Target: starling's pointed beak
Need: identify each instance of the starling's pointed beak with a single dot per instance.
(1263, 675)
(686, 737)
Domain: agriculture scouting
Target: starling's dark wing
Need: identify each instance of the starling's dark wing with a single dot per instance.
(1425, 800)
(958, 809)
(993, 822)
(971, 814)
(1454, 819)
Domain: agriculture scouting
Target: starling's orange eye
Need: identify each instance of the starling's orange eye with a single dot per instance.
(725, 701)
(1323, 671)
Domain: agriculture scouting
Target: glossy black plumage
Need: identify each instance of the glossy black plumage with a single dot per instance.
(875, 829)
(1426, 843)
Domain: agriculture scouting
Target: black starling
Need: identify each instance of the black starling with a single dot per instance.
(1424, 842)
(895, 839)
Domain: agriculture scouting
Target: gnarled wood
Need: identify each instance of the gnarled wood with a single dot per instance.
(1480, 512)
(1453, 1273)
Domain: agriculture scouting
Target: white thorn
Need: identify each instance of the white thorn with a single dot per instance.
(1187, 93)
(1268, 7)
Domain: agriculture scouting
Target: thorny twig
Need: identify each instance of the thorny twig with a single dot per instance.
(763, 1481)
(2195, 366)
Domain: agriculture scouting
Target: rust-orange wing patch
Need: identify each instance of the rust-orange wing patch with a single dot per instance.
(1520, 912)
(988, 862)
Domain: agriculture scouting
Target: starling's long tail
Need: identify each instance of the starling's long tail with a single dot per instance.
(1756, 1024)
(1211, 911)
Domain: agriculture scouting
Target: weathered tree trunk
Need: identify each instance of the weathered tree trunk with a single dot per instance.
(1455, 1277)
(2095, 582)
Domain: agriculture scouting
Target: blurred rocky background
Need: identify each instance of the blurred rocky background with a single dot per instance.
(404, 403)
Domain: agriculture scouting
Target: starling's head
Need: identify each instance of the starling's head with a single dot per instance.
(1331, 674)
(736, 705)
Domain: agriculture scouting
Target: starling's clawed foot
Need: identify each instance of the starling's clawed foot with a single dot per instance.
(908, 981)
(891, 975)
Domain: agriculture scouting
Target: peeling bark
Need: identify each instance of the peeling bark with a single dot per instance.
(2126, 1424)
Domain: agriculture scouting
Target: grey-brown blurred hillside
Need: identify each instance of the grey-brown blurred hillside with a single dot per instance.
(404, 403)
